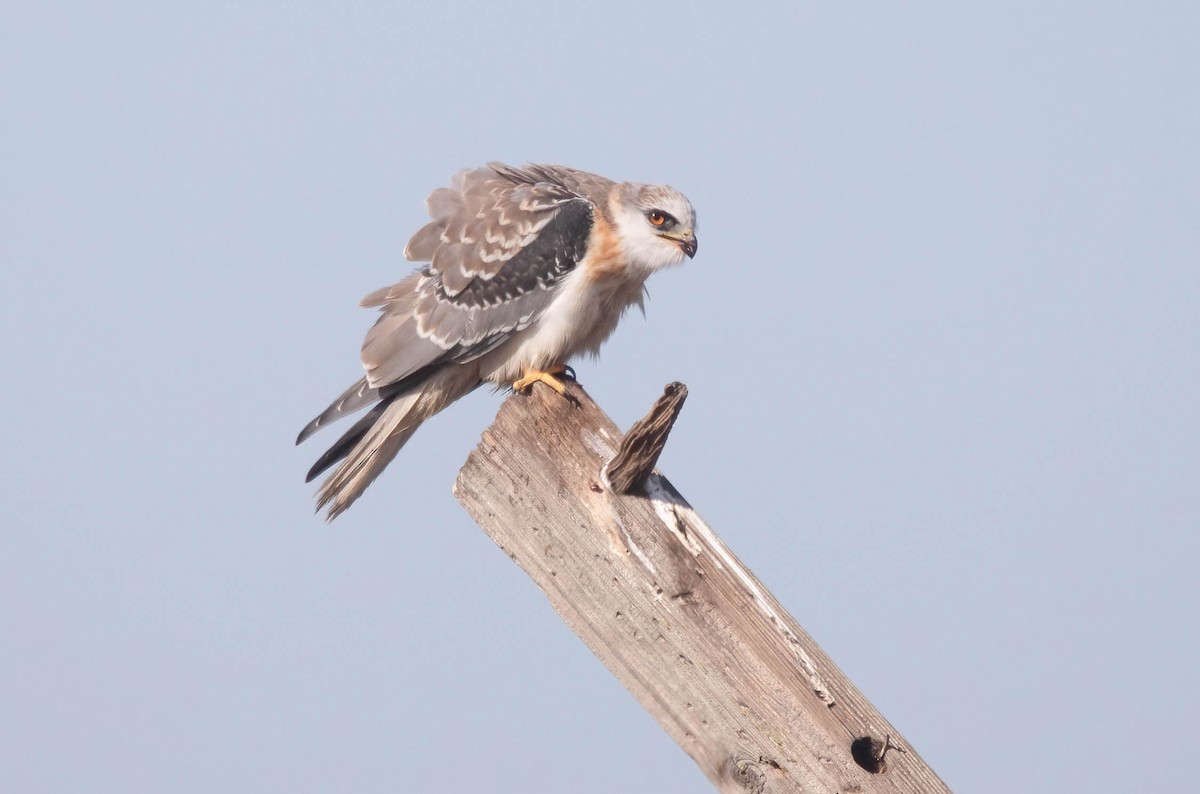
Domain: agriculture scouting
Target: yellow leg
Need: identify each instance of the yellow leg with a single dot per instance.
(548, 377)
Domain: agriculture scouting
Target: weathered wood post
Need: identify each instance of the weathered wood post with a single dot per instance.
(675, 616)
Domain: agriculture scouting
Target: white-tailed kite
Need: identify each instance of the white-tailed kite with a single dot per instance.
(527, 267)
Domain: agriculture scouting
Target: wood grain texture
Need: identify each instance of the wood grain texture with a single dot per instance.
(672, 613)
(638, 452)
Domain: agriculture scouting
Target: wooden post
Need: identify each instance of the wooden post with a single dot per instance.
(671, 612)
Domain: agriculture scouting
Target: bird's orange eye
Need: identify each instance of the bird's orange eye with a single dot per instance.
(659, 218)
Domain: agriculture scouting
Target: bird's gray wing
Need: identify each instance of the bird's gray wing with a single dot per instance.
(499, 242)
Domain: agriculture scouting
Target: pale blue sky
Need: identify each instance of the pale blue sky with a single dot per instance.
(941, 342)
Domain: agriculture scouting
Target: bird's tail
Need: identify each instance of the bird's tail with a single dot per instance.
(369, 446)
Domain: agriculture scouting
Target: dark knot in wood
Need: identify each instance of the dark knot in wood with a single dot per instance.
(644, 442)
(746, 775)
(871, 754)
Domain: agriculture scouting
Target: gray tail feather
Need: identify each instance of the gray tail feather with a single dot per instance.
(375, 439)
(360, 395)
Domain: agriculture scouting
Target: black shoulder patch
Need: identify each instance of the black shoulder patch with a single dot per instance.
(558, 248)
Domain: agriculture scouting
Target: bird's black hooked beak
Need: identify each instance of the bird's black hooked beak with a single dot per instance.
(689, 245)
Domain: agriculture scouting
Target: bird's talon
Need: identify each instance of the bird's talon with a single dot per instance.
(552, 378)
(532, 376)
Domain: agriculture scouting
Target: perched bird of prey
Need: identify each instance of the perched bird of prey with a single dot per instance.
(526, 267)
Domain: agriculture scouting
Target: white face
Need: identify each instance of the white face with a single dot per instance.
(657, 225)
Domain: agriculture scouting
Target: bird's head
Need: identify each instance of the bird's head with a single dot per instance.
(656, 223)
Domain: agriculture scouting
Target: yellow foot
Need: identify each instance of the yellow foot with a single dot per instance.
(550, 377)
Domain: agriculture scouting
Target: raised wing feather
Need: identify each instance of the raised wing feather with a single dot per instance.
(499, 242)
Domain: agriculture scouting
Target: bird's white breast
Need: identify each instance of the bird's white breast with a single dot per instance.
(583, 313)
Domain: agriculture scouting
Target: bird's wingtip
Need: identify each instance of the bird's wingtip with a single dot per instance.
(308, 430)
